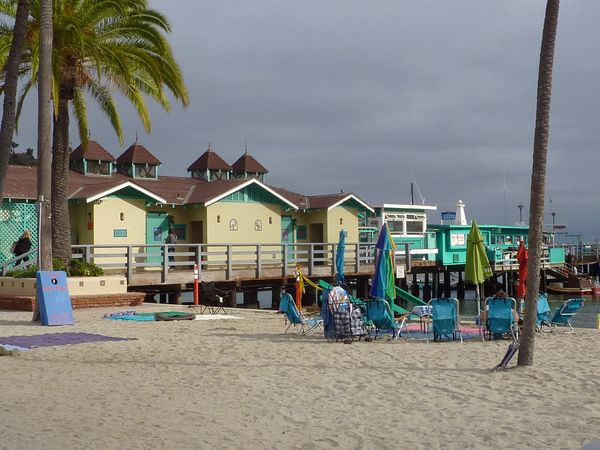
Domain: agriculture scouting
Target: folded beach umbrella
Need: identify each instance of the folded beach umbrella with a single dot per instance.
(339, 257)
(522, 257)
(477, 265)
(383, 283)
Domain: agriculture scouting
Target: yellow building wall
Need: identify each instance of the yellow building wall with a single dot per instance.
(219, 217)
(112, 213)
(349, 223)
(79, 223)
(222, 230)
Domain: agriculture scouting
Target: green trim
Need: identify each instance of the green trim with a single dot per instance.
(252, 194)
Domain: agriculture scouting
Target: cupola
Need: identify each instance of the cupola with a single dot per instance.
(210, 166)
(138, 162)
(92, 159)
(248, 167)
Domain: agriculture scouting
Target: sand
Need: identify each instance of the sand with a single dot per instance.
(242, 384)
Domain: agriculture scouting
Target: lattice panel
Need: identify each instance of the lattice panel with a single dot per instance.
(14, 219)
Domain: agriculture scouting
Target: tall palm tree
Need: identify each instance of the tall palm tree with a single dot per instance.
(44, 141)
(100, 46)
(11, 78)
(538, 179)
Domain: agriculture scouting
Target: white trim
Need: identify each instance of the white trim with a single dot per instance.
(242, 186)
(417, 207)
(123, 186)
(348, 197)
(417, 251)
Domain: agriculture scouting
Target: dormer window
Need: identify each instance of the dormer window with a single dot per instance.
(145, 171)
(97, 167)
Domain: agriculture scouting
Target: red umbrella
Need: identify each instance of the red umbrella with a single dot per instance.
(522, 256)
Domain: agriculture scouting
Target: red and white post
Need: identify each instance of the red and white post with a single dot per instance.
(196, 294)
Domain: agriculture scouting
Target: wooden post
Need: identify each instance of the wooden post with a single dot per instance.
(460, 286)
(276, 296)
(447, 287)
(414, 288)
(426, 289)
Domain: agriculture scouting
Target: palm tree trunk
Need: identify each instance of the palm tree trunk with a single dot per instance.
(61, 227)
(538, 180)
(11, 77)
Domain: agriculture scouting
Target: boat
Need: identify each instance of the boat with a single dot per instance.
(596, 288)
(570, 290)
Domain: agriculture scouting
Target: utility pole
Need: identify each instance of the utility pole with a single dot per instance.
(520, 214)
(553, 214)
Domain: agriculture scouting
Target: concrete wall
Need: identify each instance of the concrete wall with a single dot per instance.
(77, 285)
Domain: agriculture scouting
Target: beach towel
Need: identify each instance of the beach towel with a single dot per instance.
(55, 339)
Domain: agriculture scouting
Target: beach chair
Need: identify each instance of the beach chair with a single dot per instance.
(293, 316)
(379, 313)
(445, 319)
(543, 313)
(565, 312)
(212, 298)
(501, 317)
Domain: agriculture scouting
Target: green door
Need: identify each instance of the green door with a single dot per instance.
(287, 235)
(157, 230)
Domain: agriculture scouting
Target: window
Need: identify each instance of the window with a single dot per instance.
(180, 231)
(98, 167)
(301, 232)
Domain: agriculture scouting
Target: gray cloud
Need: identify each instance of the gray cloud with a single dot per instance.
(369, 96)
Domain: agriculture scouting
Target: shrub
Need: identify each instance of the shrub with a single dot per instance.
(75, 268)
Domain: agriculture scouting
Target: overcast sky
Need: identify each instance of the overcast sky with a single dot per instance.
(369, 96)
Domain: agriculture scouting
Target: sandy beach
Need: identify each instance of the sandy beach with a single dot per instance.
(241, 383)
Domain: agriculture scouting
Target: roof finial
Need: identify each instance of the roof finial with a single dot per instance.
(208, 146)
(136, 136)
(246, 147)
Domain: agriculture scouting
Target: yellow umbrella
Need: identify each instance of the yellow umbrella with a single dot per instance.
(477, 265)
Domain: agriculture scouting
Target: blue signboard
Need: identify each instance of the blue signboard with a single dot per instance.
(448, 215)
(53, 298)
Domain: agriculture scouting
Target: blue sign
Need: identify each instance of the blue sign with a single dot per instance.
(119, 233)
(53, 298)
(448, 215)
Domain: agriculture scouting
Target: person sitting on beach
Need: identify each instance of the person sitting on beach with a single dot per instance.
(501, 294)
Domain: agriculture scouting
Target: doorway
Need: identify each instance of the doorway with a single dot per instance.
(157, 230)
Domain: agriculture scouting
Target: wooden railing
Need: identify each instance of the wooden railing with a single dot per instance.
(231, 260)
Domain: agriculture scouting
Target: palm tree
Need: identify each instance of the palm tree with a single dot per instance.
(100, 46)
(44, 172)
(11, 78)
(538, 179)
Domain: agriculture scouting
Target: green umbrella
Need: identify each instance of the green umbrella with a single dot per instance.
(477, 266)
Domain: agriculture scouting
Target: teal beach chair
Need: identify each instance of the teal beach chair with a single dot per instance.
(379, 313)
(445, 319)
(565, 312)
(501, 317)
(294, 317)
(543, 313)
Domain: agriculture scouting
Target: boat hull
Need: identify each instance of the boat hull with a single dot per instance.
(569, 290)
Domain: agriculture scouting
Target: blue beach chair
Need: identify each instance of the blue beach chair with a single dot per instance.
(563, 315)
(287, 305)
(445, 319)
(501, 317)
(543, 313)
(379, 313)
